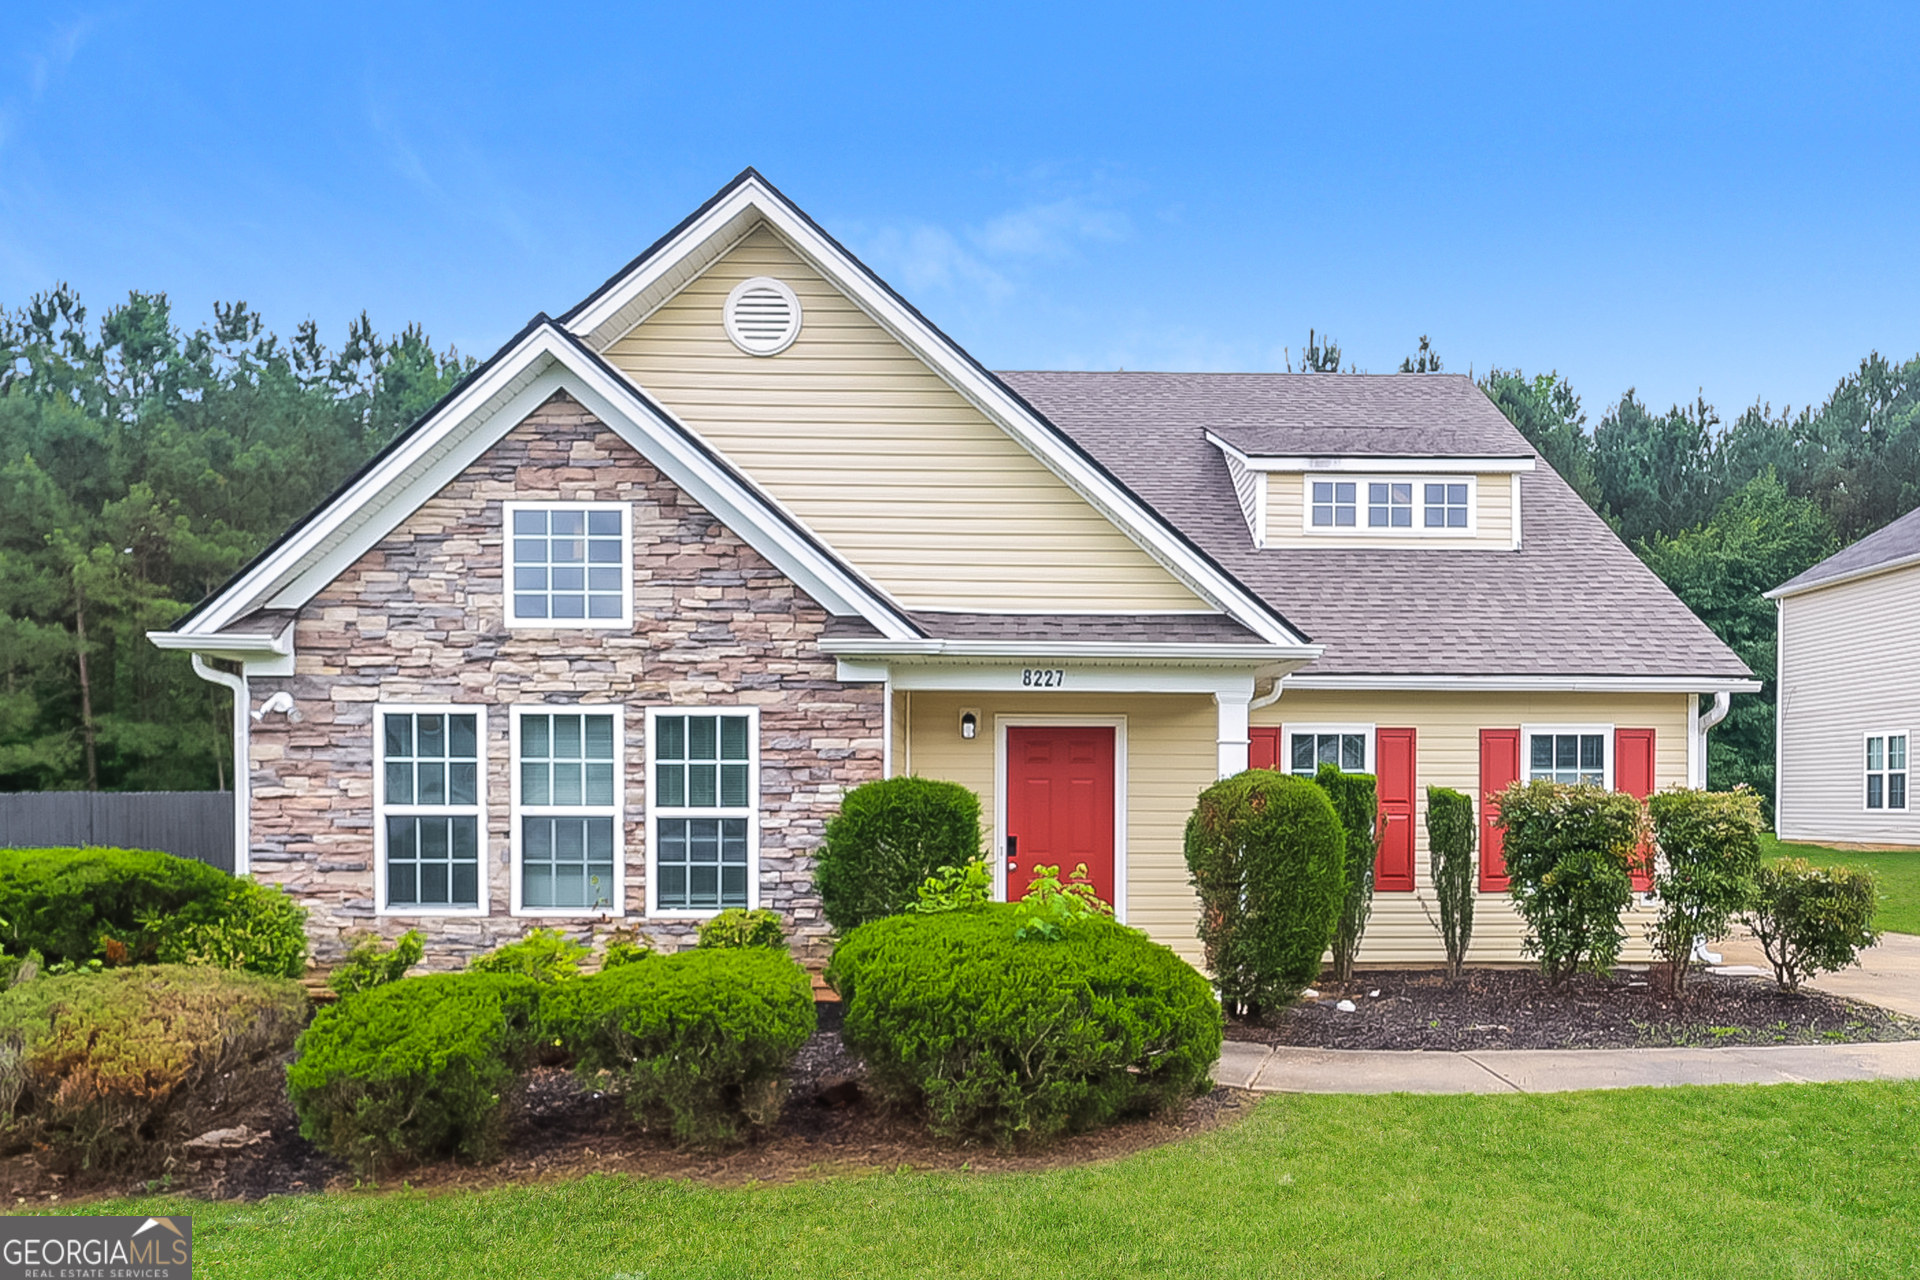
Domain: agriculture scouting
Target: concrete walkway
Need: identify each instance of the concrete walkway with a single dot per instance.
(1889, 977)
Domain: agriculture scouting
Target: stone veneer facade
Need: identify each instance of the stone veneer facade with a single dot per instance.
(420, 618)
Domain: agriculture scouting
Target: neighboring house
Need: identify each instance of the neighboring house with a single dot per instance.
(1847, 714)
(606, 635)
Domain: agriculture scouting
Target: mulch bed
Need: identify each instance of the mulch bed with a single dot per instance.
(1515, 1009)
(830, 1124)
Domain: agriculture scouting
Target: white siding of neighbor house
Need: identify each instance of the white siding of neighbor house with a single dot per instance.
(1849, 666)
(1286, 514)
(882, 458)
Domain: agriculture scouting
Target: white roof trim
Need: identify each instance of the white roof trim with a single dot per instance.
(1851, 575)
(545, 360)
(603, 320)
(1526, 684)
(1438, 464)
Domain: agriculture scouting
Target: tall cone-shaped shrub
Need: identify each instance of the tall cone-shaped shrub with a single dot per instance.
(1266, 853)
(1356, 803)
(1450, 836)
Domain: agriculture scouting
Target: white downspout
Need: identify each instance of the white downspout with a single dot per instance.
(1270, 697)
(242, 701)
(1722, 701)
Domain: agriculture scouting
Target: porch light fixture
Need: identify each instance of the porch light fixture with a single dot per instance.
(969, 725)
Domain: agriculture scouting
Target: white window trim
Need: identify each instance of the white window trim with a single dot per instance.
(381, 810)
(650, 812)
(1866, 773)
(1288, 730)
(625, 620)
(1361, 529)
(1006, 720)
(1606, 746)
(617, 810)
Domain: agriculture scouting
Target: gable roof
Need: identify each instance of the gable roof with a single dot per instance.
(1891, 547)
(1571, 602)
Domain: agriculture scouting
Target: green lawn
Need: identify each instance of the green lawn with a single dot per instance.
(1898, 873)
(1790, 1180)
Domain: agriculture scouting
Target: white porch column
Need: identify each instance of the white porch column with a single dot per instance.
(1233, 738)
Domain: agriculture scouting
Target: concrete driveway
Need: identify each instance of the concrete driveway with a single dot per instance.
(1888, 975)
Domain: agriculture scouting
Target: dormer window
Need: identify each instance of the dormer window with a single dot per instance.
(1333, 504)
(1447, 505)
(1390, 505)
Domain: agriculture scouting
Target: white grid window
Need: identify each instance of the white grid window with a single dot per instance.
(1348, 747)
(1574, 754)
(1887, 771)
(1390, 504)
(568, 817)
(705, 798)
(570, 564)
(432, 781)
(1446, 504)
(1334, 504)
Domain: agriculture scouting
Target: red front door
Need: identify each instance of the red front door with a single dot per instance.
(1059, 804)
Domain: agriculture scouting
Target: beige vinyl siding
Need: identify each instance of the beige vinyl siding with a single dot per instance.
(1286, 515)
(882, 458)
(1447, 753)
(1849, 667)
(1170, 760)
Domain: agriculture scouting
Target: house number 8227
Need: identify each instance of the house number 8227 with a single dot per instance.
(1043, 678)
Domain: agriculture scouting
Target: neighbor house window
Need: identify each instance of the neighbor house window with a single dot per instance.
(1572, 754)
(1446, 505)
(568, 810)
(1348, 747)
(431, 807)
(1389, 504)
(1887, 771)
(705, 774)
(570, 564)
(1334, 504)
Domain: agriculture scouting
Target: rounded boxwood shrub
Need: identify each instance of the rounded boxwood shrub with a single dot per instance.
(697, 1043)
(1267, 855)
(60, 901)
(1023, 1040)
(114, 1070)
(251, 926)
(888, 837)
(415, 1069)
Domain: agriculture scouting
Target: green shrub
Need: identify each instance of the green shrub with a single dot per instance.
(1356, 804)
(738, 927)
(1049, 907)
(955, 888)
(1450, 838)
(624, 945)
(415, 1070)
(1267, 854)
(255, 927)
(372, 961)
(114, 1070)
(1709, 843)
(545, 955)
(1570, 852)
(1015, 1042)
(61, 901)
(888, 837)
(1812, 919)
(698, 1043)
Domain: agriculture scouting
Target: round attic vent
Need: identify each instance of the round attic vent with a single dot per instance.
(763, 316)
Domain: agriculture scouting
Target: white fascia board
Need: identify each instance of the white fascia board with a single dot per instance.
(985, 393)
(251, 650)
(1291, 657)
(1890, 566)
(953, 677)
(1526, 684)
(449, 443)
(1438, 464)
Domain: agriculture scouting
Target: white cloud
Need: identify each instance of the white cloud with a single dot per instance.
(924, 256)
(1051, 230)
(56, 55)
(983, 260)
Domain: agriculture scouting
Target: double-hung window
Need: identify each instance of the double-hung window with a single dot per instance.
(705, 774)
(1887, 771)
(1574, 754)
(1334, 503)
(567, 802)
(431, 807)
(1348, 747)
(569, 564)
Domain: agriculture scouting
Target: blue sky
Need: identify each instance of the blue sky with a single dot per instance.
(1678, 198)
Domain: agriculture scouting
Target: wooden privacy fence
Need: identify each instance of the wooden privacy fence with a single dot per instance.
(190, 824)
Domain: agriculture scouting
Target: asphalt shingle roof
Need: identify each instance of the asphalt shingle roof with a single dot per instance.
(1572, 601)
(1896, 542)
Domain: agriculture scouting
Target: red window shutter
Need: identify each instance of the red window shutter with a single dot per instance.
(1393, 756)
(1499, 769)
(1263, 751)
(1633, 774)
